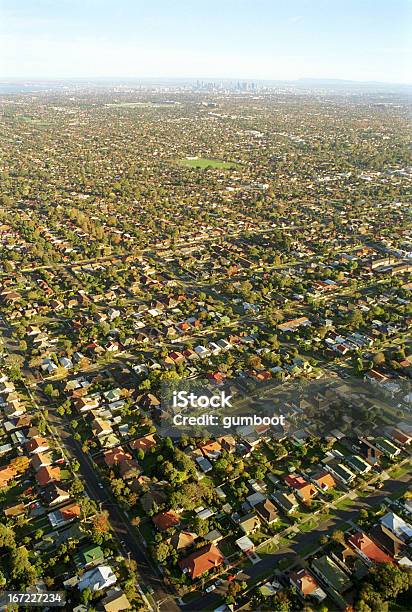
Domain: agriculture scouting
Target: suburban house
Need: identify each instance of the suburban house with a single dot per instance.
(166, 520)
(357, 464)
(267, 511)
(367, 549)
(387, 447)
(306, 585)
(286, 501)
(115, 601)
(37, 445)
(46, 475)
(324, 481)
(397, 525)
(97, 579)
(249, 523)
(301, 487)
(201, 561)
(387, 540)
(341, 472)
(327, 570)
(145, 443)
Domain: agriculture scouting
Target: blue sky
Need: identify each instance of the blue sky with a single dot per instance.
(261, 39)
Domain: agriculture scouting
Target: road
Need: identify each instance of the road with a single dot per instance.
(119, 521)
(303, 541)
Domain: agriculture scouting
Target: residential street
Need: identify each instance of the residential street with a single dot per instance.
(305, 540)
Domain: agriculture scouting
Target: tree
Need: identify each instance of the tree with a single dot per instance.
(100, 522)
(21, 566)
(6, 537)
(161, 552)
(233, 590)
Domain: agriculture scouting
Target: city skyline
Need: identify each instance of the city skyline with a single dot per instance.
(260, 40)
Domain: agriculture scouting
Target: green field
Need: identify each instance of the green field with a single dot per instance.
(201, 162)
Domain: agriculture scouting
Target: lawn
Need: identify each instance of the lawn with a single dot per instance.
(399, 471)
(201, 162)
(308, 525)
(268, 548)
(344, 504)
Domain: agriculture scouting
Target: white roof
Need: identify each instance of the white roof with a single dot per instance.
(397, 525)
(98, 578)
(244, 543)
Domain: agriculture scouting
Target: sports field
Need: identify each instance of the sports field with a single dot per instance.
(201, 162)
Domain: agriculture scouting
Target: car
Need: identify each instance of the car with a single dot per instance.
(210, 588)
(150, 590)
(218, 582)
(100, 485)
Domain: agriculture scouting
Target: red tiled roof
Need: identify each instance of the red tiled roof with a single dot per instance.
(115, 455)
(304, 581)
(166, 520)
(363, 543)
(144, 444)
(300, 484)
(47, 474)
(202, 561)
(36, 443)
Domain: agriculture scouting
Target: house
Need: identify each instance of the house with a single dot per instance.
(341, 472)
(267, 511)
(37, 445)
(129, 468)
(145, 443)
(369, 452)
(183, 539)
(64, 515)
(201, 561)
(97, 579)
(54, 494)
(306, 585)
(357, 464)
(114, 456)
(387, 447)
(88, 555)
(166, 520)
(228, 443)
(286, 501)
(367, 549)
(254, 498)
(245, 544)
(397, 525)
(211, 449)
(324, 481)
(294, 324)
(214, 536)
(329, 572)
(401, 437)
(302, 488)
(115, 601)
(249, 523)
(387, 540)
(7, 474)
(84, 404)
(47, 474)
(204, 464)
(66, 363)
(39, 460)
(100, 427)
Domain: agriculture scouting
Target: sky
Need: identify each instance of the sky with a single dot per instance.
(364, 40)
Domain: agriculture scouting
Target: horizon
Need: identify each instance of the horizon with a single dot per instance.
(261, 40)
